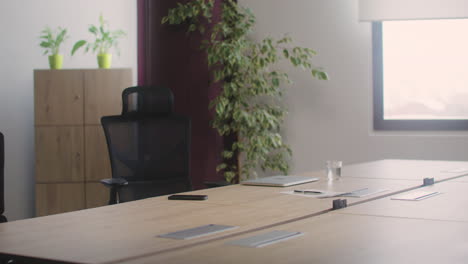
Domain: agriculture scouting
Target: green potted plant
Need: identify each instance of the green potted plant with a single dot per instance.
(51, 41)
(105, 40)
(248, 108)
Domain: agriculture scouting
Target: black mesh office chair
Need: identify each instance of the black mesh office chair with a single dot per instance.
(149, 146)
(2, 180)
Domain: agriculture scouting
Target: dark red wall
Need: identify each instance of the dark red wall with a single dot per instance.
(167, 56)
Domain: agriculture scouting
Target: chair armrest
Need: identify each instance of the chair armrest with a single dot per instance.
(114, 182)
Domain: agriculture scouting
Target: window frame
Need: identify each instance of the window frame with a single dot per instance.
(378, 90)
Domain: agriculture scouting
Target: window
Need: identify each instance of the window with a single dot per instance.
(421, 75)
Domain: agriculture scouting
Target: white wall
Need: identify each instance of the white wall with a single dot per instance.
(20, 24)
(333, 119)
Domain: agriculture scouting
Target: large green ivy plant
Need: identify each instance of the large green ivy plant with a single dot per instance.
(248, 106)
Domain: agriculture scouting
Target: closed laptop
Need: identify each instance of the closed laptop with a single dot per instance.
(280, 180)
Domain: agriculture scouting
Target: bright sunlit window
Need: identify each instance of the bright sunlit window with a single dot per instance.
(421, 75)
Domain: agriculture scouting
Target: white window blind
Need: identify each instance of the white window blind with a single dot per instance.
(381, 10)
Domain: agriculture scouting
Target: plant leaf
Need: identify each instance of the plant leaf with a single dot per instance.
(93, 29)
(45, 44)
(78, 45)
(323, 76)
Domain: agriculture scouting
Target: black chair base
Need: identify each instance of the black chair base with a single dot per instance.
(3, 219)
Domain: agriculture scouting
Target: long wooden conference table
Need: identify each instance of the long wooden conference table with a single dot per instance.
(371, 229)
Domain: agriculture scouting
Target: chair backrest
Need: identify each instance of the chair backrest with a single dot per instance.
(147, 149)
(2, 167)
(147, 100)
(149, 146)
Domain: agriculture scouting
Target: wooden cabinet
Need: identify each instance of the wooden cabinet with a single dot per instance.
(71, 150)
(96, 155)
(54, 198)
(58, 97)
(59, 154)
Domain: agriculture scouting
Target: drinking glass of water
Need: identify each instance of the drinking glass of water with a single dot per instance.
(333, 169)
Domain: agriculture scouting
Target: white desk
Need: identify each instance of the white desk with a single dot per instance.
(406, 169)
(117, 232)
(451, 205)
(127, 232)
(429, 231)
(338, 238)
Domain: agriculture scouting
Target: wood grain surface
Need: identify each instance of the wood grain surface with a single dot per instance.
(59, 154)
(128, 232)
(103, 93)
(58, 97)
(54, 198)
(97, 160)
